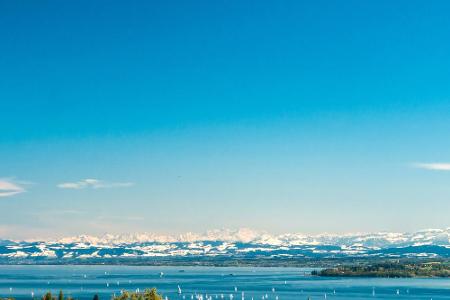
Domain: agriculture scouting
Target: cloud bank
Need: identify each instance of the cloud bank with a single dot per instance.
(9, 188)
(433, 166)
(93, 184)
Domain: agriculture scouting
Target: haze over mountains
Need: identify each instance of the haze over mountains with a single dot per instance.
(226, 244)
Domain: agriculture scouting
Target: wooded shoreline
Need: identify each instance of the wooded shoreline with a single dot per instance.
(389, 269)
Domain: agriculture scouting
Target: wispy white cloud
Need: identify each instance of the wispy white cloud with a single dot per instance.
(433, 166)
(9, 188)
(93, 184)
(119, 218)
(55, 213)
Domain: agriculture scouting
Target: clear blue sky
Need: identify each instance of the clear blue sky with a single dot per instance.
(285, 116)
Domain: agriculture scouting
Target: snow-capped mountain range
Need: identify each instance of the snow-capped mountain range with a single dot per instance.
(242, 244)
(244, 235)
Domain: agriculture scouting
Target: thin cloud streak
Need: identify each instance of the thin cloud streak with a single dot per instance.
(9, 188)
(93, 184)
(433, 166)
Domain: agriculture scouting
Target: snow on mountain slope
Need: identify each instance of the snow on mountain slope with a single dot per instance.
(380, 239)
(242, 243)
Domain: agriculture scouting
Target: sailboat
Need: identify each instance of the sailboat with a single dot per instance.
(179, 290)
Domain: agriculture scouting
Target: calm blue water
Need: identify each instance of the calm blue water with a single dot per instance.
(289, 283)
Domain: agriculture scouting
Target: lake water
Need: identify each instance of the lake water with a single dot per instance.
(288, 283)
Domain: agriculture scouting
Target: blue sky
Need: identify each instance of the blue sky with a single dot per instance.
(177, 116)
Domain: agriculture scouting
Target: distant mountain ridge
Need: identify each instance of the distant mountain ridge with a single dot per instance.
(379, 239)
(226, 244)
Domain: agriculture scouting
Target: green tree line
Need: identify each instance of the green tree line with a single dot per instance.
(429, 269)
(148, 294)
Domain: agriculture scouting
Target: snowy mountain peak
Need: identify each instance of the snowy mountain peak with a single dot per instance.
(242, 243)
(245, 235)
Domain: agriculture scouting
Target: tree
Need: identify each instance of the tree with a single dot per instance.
(61, 295)
(134, 296)
(48, 296)
(96, 297)
(152, 295)
(125, 295)
(148, 294)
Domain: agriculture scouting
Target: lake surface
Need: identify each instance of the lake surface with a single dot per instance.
(288, 283)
